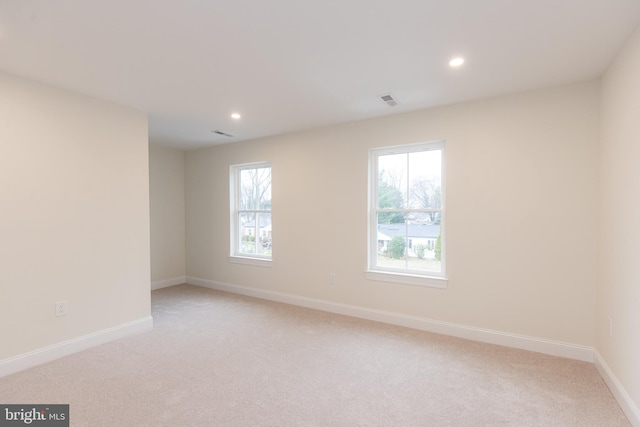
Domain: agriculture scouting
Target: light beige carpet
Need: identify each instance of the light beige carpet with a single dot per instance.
(217, 359)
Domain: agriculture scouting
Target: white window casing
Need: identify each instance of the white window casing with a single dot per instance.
(250, 214)
(407, 215)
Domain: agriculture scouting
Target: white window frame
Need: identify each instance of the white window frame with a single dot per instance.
(409, 277)
(235, 255)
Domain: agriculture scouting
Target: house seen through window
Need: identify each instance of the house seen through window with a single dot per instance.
(251, 217)
(406, 227)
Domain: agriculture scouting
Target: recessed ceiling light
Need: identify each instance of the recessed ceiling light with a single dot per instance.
(235, 116)
(456, 62)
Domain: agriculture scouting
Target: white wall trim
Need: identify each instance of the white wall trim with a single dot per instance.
(627, 404)
(65, 348)
(407, 279)
(259, 262)
(168, 282)
(554, 348)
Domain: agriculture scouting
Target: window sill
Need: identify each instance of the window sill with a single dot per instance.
(259, 262)
(408, 279)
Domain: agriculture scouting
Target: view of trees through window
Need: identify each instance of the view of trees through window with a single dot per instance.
(254, 211)
(409, 211)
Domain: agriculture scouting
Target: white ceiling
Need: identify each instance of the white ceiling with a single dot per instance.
(287, 65)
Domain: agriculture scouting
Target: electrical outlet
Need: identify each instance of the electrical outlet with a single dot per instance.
(332, 278)
(61, 308)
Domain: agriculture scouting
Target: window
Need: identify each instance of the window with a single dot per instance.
(406, 223)
(251, 213)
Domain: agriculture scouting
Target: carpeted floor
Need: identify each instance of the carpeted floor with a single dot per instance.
(218, 359)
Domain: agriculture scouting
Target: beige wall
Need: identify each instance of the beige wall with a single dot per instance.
(521, 218)
(75, 215)
(166, 186)
(619, 236)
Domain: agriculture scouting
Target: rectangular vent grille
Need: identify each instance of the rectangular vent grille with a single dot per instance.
(219, 132)
(389, 100)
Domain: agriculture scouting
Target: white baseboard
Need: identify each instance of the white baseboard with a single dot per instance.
(627, 404)
(168, 282)
(65, 348)
(554, 348)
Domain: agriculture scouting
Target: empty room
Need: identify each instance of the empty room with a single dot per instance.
(356, 213)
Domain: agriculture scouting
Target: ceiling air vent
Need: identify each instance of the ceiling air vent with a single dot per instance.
(389, 100)
(219, 132)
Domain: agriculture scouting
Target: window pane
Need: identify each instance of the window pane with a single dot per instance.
(255, 188)
(392, 181)
(246, 189)
(413, 245)
(391, 242)
(425, 177)
(264, 234)
(247, 233)
(424, 253)
(264, 188)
